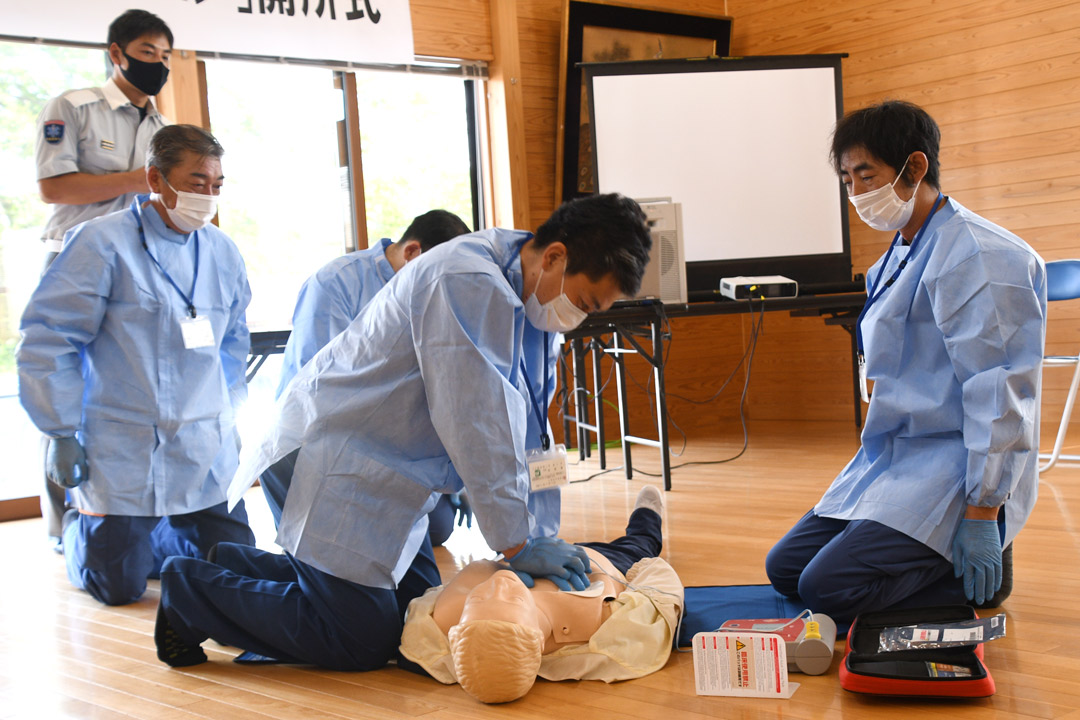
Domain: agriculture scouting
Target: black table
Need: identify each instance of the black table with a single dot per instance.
(632, 323)
(263, 345)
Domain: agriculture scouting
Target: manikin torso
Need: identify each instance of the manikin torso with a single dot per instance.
(563, 617)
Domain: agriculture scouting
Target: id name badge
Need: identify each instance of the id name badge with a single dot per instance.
(863, 392)
(197, 332)
(547, 468)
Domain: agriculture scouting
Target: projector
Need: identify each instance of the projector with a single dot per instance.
(756, 287)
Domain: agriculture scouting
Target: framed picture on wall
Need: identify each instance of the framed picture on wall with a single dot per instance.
(608, 32)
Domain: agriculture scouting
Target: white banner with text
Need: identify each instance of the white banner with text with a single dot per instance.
(361, 31)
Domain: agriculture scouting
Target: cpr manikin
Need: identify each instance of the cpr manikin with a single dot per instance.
(487, 631)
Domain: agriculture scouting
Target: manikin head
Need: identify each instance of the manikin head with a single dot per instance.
(497, 644)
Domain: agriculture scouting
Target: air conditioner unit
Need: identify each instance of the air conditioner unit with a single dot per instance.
(665, 275)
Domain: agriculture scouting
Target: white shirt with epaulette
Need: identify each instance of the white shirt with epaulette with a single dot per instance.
(95, 131)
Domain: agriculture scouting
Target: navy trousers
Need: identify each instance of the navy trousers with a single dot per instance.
(111, 556)
(277, 606)
(643, 539)
(845, 567)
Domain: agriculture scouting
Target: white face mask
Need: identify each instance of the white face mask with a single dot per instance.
(192, 211)
(882, 209)
(557, 315)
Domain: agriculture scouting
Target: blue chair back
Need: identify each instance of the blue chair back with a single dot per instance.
(1063, 280)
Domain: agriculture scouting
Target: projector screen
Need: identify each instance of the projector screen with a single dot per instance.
(743, 145)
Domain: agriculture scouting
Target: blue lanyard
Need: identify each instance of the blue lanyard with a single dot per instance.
(879, 287)
(188, 300)
(545, 439)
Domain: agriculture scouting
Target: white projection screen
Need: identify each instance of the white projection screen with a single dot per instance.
(743, 145)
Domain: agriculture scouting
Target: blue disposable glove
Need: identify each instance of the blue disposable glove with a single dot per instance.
(462, 509)
(65, 462)
(554, 559)
(976, 553)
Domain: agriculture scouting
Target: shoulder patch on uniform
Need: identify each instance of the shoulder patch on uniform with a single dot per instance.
(81, 97)
(54, 131)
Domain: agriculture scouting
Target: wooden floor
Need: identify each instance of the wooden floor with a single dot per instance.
(62, 655)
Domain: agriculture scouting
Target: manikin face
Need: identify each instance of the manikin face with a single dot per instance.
(501, 597)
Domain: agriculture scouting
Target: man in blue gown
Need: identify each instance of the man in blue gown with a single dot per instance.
(132, 361)
(331, 299)
(426, 392)
(952, 337)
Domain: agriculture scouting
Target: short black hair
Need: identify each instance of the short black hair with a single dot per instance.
(168, 145)
(603, 234)
(890, 131)
(434, 227)
(133, 24)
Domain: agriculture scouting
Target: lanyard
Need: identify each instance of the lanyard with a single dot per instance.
(879, 287)
(545, 440)
(188, 300)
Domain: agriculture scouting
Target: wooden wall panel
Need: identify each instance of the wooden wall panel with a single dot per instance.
(452, 28)
(1002, 79)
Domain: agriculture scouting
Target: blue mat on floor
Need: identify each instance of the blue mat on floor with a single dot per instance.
(708, 607)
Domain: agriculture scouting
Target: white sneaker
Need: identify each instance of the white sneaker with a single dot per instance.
(651, 499)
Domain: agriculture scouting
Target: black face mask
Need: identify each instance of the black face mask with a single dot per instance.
(147, 78)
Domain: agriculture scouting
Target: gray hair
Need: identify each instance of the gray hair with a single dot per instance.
(169, 144)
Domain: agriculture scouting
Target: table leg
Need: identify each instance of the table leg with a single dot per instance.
(597, 348)
(624, 412)
(661, 401)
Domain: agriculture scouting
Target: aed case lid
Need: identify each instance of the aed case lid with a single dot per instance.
(755, 287)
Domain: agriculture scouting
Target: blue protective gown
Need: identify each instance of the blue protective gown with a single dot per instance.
(954, 349)
(331, 299)
(422, 394)
(102, 356)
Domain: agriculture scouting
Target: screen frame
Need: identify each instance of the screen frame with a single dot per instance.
(703, 276)
(579, 15)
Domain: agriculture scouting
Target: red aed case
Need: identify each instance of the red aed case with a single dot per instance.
(933, 672)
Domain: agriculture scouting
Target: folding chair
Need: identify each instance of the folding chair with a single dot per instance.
(1062, 283)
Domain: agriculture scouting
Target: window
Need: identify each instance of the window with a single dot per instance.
(285, 200)
(282, 202)
(31, 75)
(415, 140)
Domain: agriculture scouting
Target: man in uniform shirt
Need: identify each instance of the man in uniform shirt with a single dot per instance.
(90, 150)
